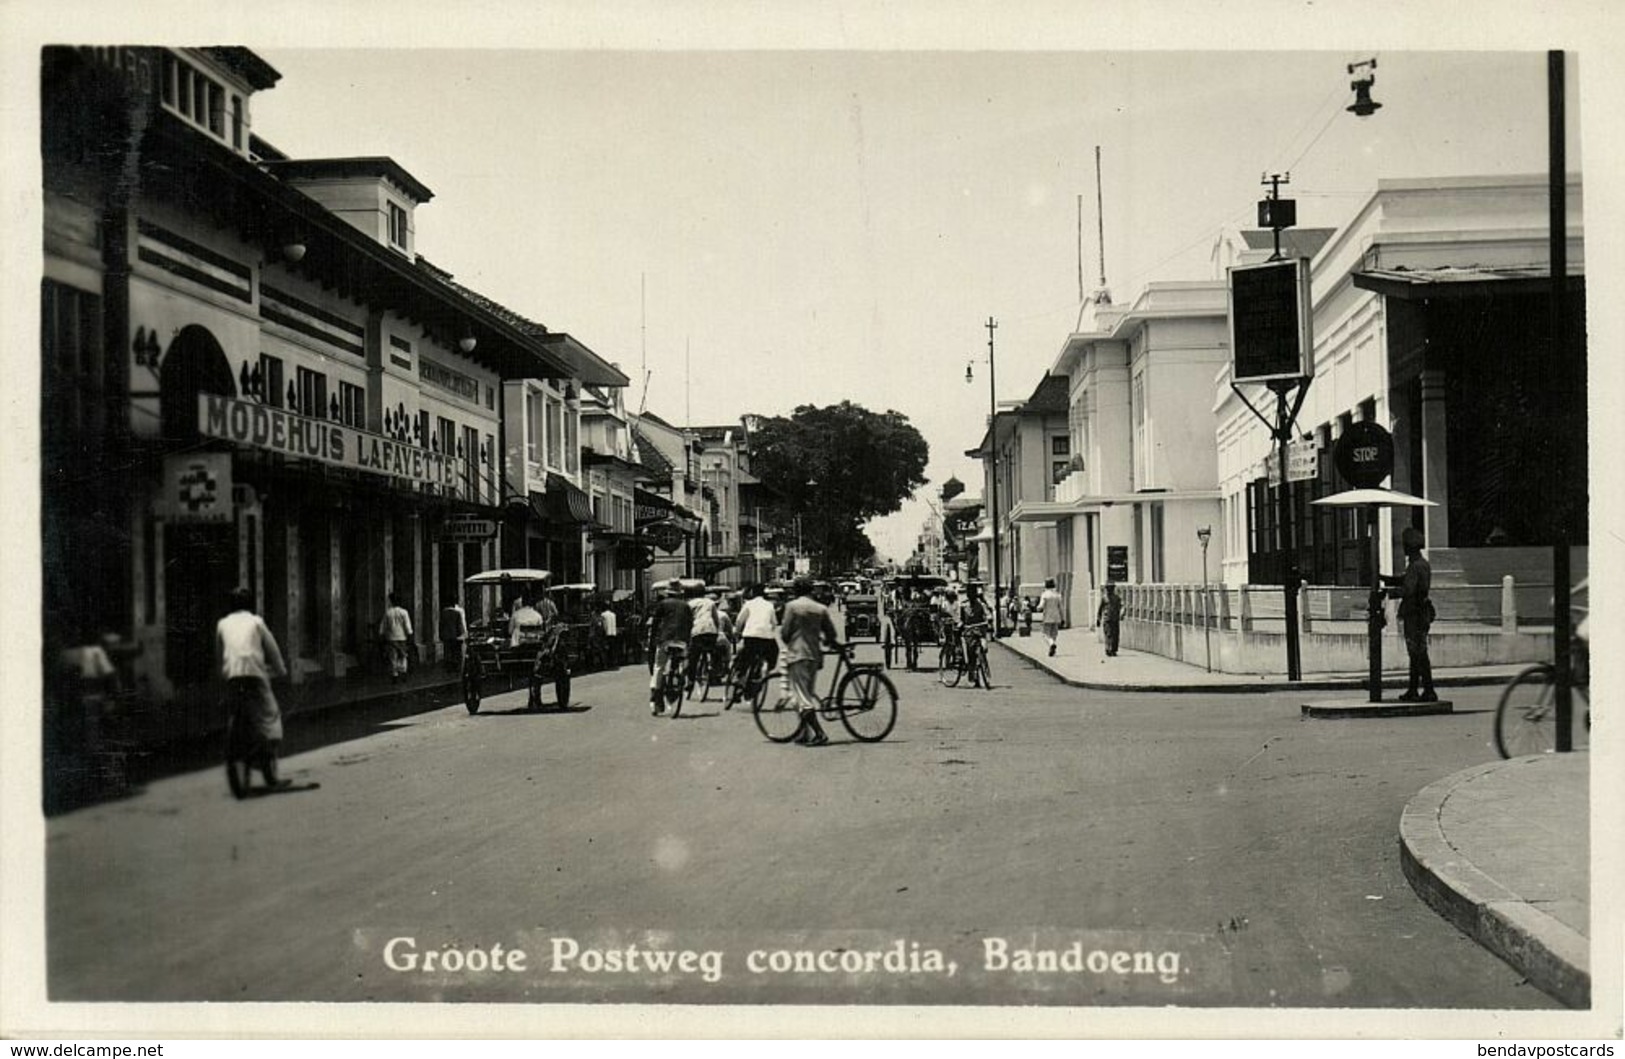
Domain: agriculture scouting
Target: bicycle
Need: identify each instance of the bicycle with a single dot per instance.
(674, 678)
(1526, 718)
(246, 752)
(747, 684)
(862, 697)
(975, 657)
(700, 674)
(950, 657)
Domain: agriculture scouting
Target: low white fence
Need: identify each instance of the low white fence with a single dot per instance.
(1243, 628)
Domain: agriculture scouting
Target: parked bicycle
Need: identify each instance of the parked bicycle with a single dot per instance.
(860, 695)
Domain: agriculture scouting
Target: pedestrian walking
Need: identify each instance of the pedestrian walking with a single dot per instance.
(249, 660)
(1416, 614)
(1109, 617)
(396, 631)
(1049, 613)
(805, 627)
(610, 623)
(453, 634)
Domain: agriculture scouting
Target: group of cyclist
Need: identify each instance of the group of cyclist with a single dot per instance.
(702, 623)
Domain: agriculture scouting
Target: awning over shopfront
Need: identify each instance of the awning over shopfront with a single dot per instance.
(1473, 281)
(564, 503)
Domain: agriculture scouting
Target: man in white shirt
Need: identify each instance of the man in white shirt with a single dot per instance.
(524, 615)
(249, 659)
(611, 624)
(758, 638)
(396, 629)
(703, 637)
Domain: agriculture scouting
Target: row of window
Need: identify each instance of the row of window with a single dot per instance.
(201, 100)
(550, 424)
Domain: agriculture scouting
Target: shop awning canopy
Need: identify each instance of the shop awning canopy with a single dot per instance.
(564, 502)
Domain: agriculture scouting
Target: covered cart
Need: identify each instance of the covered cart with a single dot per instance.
(505, 652)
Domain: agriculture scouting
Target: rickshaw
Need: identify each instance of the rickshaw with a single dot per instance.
(535, 653)
(905, 615)
(575, 603)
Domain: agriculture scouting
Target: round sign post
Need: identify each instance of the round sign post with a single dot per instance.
(1364, 455)
(1365, 458)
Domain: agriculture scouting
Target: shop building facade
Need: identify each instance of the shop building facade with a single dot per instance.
(244, 386)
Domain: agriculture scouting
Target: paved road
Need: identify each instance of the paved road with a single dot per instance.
(1036, 845)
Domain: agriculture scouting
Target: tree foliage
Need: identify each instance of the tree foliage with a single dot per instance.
(835, 468)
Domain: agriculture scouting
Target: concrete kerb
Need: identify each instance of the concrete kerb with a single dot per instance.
(1551, 954)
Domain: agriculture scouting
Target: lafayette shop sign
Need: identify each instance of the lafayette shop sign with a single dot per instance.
(275, 430)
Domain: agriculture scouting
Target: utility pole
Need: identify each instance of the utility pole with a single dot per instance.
(993, 480)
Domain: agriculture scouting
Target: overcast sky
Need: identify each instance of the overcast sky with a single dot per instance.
(827, 220)
(765, 229)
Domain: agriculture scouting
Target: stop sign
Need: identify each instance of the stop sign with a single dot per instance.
(1364, 455)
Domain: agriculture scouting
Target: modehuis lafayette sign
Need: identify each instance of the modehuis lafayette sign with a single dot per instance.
(290, 434)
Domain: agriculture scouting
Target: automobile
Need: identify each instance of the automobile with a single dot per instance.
(862, 613)
(536, 654)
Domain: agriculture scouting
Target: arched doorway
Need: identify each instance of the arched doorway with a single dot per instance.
(200, 559)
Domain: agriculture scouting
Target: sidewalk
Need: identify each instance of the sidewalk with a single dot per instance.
(424, 681)
(1080, 660)
(1501, 850)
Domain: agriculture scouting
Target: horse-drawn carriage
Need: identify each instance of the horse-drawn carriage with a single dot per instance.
(908, 621)
(536, 652)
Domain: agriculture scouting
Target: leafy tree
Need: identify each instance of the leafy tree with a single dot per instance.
(836, 468)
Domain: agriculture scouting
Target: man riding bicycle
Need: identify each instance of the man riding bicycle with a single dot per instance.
(758, 628)
(671, 624)
(705, 632)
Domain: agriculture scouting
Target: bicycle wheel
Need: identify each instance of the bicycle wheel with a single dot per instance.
(471, 684)
(673, 686)
(709, 675)
(1526, 719)
(776, 716)
(698, 675)
(867, 703)
(239, 752)
(952, 667)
